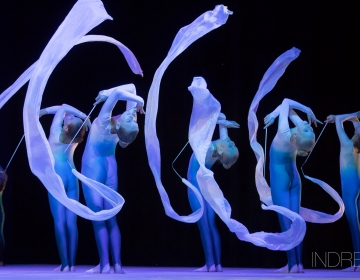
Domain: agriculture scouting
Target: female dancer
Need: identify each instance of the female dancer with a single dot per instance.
(349, 172)
(64, 126)
(99, 164)
(3, 180)
(224, 151)
(285, 181)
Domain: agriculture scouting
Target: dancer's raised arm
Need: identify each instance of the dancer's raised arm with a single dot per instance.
(66, 123)
(224, 125)
(296, 120)
(339, 120)
(113, 95)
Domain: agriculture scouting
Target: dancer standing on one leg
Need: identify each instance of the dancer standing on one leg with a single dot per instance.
(350, 183)
(3, 180)
(285, 181)
(224, 151)
(64, 126)
(99, 164)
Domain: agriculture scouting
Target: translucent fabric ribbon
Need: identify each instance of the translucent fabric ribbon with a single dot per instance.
(185, 37)
(204, 115)
(25, 77)
(85, 15)
(267, 83)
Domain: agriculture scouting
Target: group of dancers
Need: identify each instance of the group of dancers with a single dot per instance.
(99, 167)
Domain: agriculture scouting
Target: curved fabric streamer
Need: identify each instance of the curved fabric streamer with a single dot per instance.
(268, 82)
(204, 115)
(129, 56)
(320, 217)
(85, 15)
(185, 37)
(22, 80)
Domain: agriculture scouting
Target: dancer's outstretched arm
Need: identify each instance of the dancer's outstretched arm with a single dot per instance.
(60, 112)
(113, 95)
(49, 111)
(224, 125)
(355, 122)
(270, 118)
(338, 120)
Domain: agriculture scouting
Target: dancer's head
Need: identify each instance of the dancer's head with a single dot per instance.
(303, 138)
(3, 179)
(226, 151)
(71, 126)
(127, 128)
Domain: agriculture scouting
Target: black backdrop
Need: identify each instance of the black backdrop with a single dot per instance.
(232, 59)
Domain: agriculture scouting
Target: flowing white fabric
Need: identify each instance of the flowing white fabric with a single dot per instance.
(25, 77)
(186, 36)
(204, 115)
(267, 83)
(85, 15)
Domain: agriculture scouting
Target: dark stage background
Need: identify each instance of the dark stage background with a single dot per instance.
(232, 59)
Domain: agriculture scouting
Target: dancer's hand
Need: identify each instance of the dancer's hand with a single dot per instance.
(140, 109)
(228, 124)
(100, 98)
(312, 119)
(268, 120)
(330, 119)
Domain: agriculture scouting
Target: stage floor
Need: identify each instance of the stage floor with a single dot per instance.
(32, 272)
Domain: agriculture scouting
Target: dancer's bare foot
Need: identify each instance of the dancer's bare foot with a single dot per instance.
(294, 269)
(202, 269)
(212, 268)
(95, 269)
(219, 268)
(284, 269)
(118, 269)
(106, 269)
(72, 269)
(352, 269)
(301, 268)
(58, 268)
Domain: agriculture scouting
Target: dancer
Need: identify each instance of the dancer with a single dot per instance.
(65, 125)
(224, 151)
(3, 180)
(99, 164)
(285, 181)
(349, 172)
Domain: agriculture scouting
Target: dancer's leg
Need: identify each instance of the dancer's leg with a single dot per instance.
(215, 236)
(97, 172)
(58, 213)
(73, 193)
(350, 195)
(295, 201)
(204, 228)
(111, 224)
(280, 182)
(2, 240)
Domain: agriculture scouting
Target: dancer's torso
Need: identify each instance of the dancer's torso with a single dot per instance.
(349, 161)
(100, 142)
(281, 150)
(58, 148)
